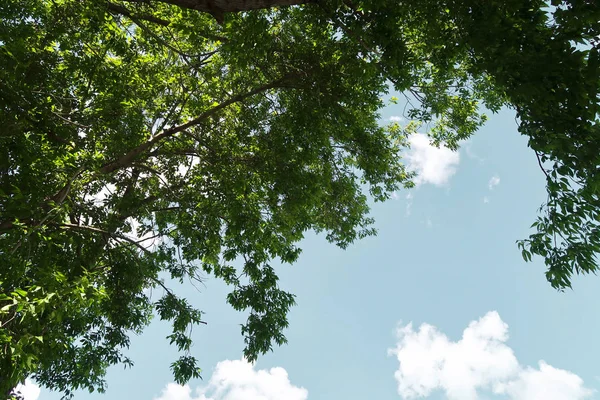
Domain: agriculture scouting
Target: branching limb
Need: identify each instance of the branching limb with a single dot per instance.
(113, 235)
(128, 158)
(119, 9)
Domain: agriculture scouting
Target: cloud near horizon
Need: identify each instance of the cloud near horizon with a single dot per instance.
(479, 361)
(433, 165)
(238, 380)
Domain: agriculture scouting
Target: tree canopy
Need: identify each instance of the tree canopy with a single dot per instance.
(142, 140)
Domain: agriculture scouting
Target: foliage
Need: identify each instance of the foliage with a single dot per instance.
(144, 140)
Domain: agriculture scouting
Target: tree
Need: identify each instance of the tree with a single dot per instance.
(145, 140)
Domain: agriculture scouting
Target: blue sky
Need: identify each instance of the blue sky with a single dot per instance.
(439, 305)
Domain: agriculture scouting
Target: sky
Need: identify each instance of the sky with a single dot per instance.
(439, 305)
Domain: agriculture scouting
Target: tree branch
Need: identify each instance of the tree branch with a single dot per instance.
(128, 158)
(102, 231)
(202, 56)
(218, 7)
(540, 164)
(119, 9)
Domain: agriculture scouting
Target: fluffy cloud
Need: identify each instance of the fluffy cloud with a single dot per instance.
(545, 383)
(396, 118)
(29, 391)
(480, 360)
(494, 181)
(238, 380)
(432, 165)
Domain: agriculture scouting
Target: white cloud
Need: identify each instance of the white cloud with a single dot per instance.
(238, 380)
(396, 118)
(480, 360)
(494, 181)
(432, 165)
(29, 391)
(486, 199)
(174, 391)
(546, 383)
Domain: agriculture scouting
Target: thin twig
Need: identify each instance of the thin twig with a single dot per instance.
(540, 164)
